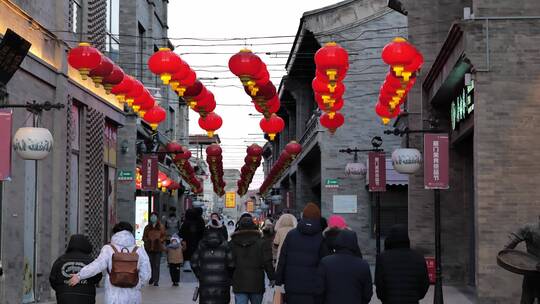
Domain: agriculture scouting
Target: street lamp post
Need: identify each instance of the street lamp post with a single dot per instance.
(376, 142)
(438, 292)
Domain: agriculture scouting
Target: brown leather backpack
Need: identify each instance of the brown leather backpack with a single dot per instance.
(124, 272)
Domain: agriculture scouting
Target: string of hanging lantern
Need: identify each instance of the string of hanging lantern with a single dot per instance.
(252, 161)
(90, 62)
(405, 61)
(331, 65)
(287, 156)
(255, 78)
(182, 79)
(214, 158)
(187, 172)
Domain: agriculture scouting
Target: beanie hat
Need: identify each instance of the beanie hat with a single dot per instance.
(247, 223)
(311, 211)
(336, 221)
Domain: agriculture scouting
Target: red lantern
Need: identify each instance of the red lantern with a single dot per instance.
(174, 147)
(136, 90)
(254, 150)
(398, 54)
(321, 86)
(195, 91)
(121, 89)
(268, 108)
(272, 125)
(331, 110)
(245, 65)
(333, 61)
(213, 150)
(264, 92)
(181, 74)
(114, 78)
(185, 155)
(385, 113)
(143, 108)
(332, 124)
(262, 78)
(185, 82)
(211, 122)
(144, 98)
(329, 99)
(293, 148)
(155, 116)
(414, 66)
(165, 63)
(84, 58)
(103, 70)
(205, 105)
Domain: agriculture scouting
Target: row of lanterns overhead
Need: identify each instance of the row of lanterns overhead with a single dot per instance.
(284, 161)
(182, 79)
(252, 161)
(255, 78)
(404, 61)
(332, 63)
(214, 158)
(181, 156)
(164, 182)
(90, 62)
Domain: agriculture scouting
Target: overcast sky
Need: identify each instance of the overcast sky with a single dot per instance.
(225, 27)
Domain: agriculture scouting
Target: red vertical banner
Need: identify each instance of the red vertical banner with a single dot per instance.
(377, 171)
(149, 170)
(436, 161)
(5, 145)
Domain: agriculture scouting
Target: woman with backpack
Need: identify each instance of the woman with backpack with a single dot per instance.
(127, 266)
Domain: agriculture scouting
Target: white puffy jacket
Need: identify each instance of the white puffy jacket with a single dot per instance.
(113, 294)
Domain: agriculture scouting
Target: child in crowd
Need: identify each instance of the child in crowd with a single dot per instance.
(175, 258)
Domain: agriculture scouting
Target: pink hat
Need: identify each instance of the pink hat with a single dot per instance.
(336, 221)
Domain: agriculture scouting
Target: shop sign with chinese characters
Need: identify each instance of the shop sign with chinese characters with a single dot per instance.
(377, 171)
(436, 161)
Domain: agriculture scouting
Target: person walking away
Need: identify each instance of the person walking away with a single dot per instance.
(268, 236)
(336, 224)
(299, 259)
(401, 274)
(154, 239)
(213, 266)
(191, 233)
(175, 258)
(76, 257)
(116, 292)
(215, 223)
(530, 234)
(172, 224)
(252, 258)
(344, 276)
(284, 224)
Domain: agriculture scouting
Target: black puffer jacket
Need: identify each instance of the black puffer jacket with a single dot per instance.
(76, 257)
(401, 274)
(330, 234)
(213, 265)
(192, 231)
(252, 257)
(299, 259)
(345, 277)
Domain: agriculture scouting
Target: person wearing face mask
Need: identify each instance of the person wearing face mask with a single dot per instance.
(215, 225)
(154, 239)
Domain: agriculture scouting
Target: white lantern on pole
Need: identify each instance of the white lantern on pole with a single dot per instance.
(33, 143)
(406, 160)
(355, 169)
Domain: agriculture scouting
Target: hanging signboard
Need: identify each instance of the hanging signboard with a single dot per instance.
(377, 171)
(230, 199)
(436, 161)
(250, 206)
(149, 170)
(5, 145)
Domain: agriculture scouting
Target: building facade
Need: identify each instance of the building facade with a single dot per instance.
(479, 85)
(76, 188)
(318, 173)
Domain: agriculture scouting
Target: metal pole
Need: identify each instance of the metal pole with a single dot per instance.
(149, 204)
(438, 297)
(378, 221)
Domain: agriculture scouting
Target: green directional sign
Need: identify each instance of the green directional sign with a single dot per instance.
(125, 176)
(331, 183)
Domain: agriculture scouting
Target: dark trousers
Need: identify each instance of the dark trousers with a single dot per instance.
(531, 289)
(174, 270)
(155, 260)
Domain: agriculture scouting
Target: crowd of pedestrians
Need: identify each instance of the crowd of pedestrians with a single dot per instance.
(309, 260)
